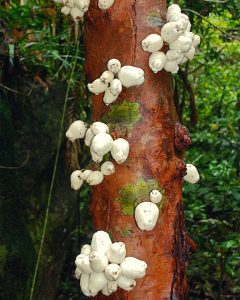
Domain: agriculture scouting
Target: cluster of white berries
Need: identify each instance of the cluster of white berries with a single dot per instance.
(147, 213)
(91, 177)
(77, 8)
(192, 175)
(99, 140)
(114, 79)
(103, 267)
(176, 33)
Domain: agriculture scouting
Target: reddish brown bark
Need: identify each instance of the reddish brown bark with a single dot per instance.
(182, 137)
(117, 33)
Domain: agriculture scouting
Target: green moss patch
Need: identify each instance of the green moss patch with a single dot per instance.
(133, 194)
(125, 114)
(126, 232)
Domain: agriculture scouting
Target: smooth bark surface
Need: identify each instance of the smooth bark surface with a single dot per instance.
(117, 33)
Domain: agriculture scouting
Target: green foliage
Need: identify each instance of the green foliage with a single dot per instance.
(36, 56)
(38, 39)
(212, 206)
(16, 249)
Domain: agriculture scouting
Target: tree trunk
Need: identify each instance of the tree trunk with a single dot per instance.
(153, 160)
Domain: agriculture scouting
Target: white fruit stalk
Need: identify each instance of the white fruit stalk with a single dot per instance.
(192, 174)
(114, 65)
(107, 76)
(172, 9)
(97, 86)
(108, 97)
(152, 43)
(97, 281)
(116, 253)
(76, 130)
(84, 284)
(133, 268)
(131, 76)
(99, 127)
(101, 242)
(88, 137)
(155, 196)
(157, 61)
(105, 4)
(85, 174)
(120, 150)
(112, 272)
(65, 10)
(83, 5)
(102, 143)
(69, 3)
(107, 168)
(98, 261)
(171, 66)
(116, 87)
(83, 263)
(78, 273)
(96, 158)
(76, 14)
(76, 180)
(86, 249)
(126, 284)
(183, 44)
(146, 215)
(109, 288)
(171, 31)
(95, 178)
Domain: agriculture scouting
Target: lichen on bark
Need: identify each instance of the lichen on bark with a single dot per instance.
(125, 114)
(134, 193)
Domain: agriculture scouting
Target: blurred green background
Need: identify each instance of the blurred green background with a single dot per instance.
(38, 48)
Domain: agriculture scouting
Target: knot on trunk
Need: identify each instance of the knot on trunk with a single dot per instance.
(181, 169)
(191, 245)
(182, 137)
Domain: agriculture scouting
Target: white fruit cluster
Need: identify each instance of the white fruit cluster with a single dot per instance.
(112, 81)
(192, 175)
(99, 140)
(176, 33)
(77, 8)
(147, 213)
(91, 177)
(103, 267)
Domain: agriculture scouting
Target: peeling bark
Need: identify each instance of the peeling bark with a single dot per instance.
(117, 33)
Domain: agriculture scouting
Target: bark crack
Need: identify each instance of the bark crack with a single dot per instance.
(180, 253)
(134, 26)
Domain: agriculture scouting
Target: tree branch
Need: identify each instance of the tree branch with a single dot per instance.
(11, 90)
(213, 25)
(19, 167)
(193, 109)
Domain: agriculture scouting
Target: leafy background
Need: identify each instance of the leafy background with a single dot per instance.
(37, 49)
